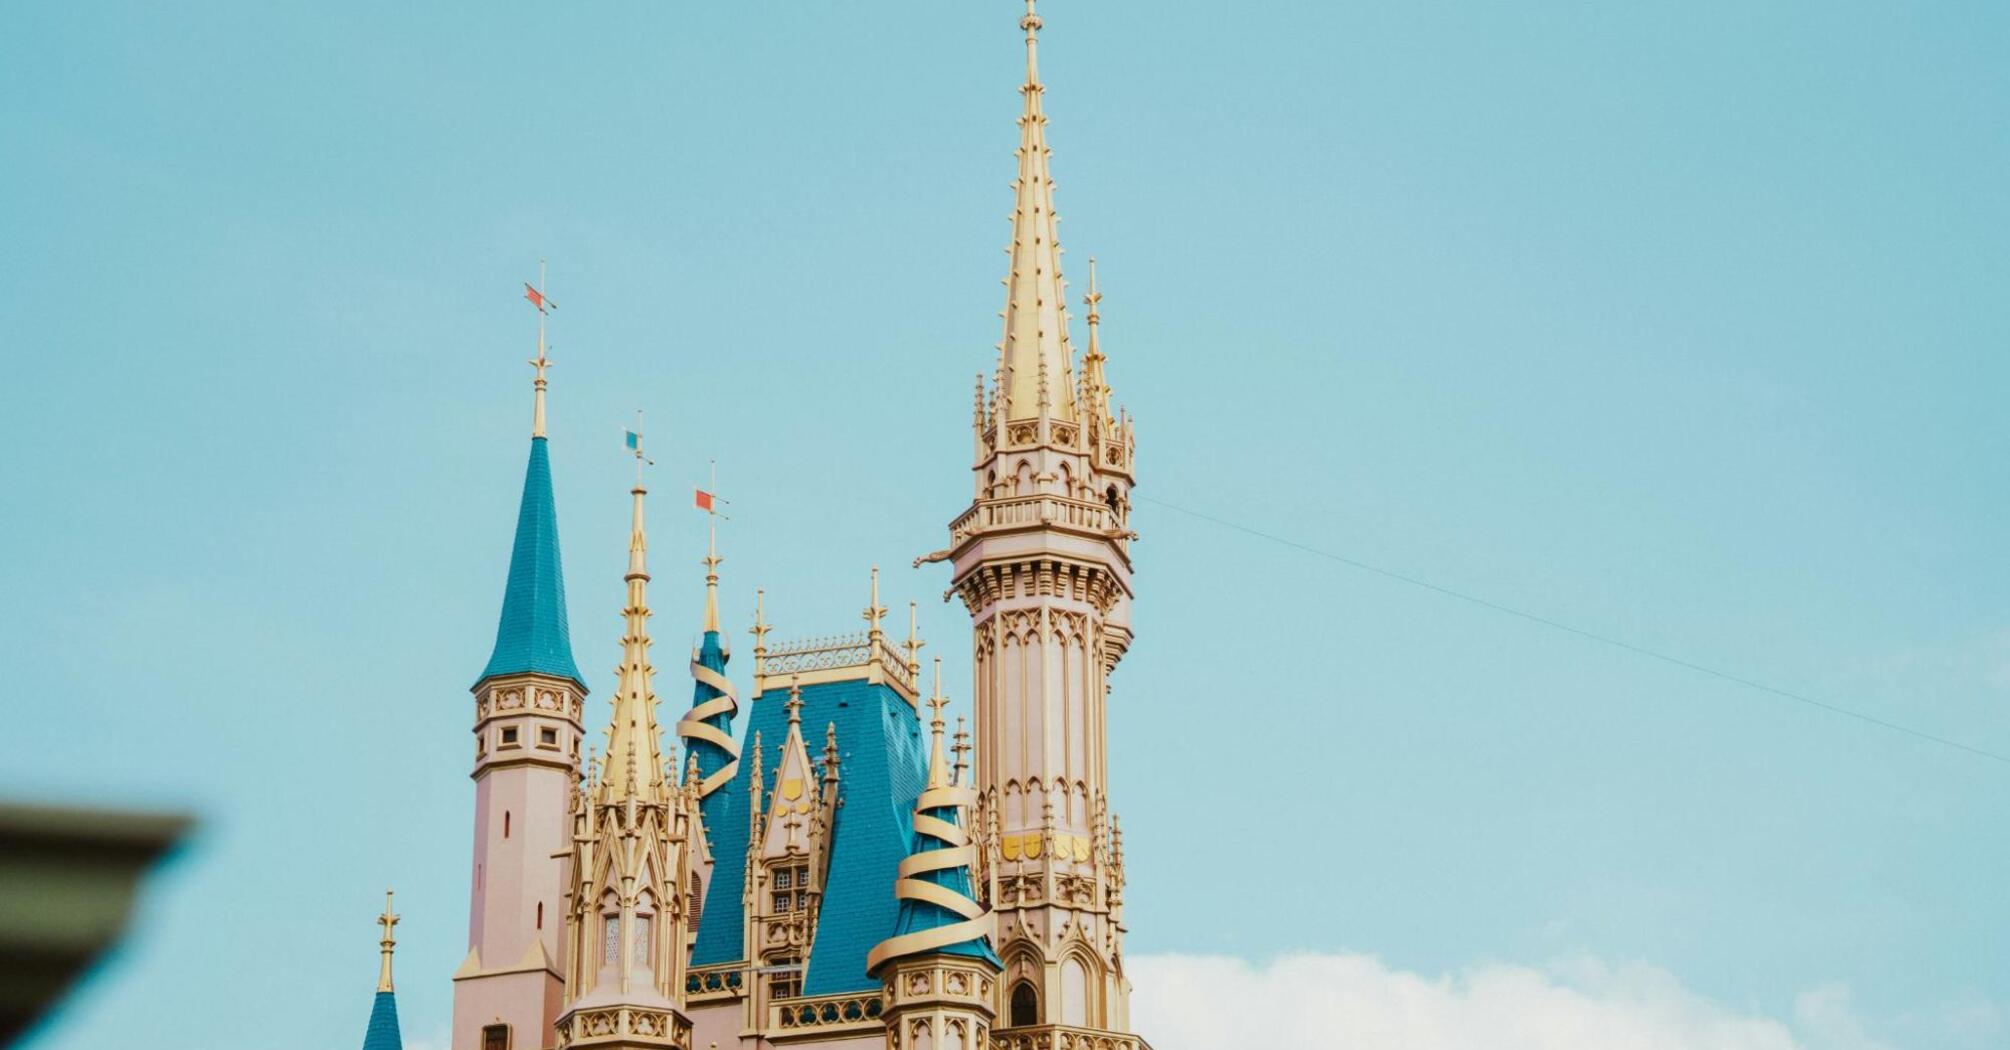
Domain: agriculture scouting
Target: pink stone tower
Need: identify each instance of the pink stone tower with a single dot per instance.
(509, 989)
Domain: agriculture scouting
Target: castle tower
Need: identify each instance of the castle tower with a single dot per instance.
(626, 927)
(527, 730)
(1041, 560)
(939, 971)
(382, 1033)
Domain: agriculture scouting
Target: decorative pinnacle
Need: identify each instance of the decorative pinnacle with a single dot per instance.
(794, 704)
(962, 749)
(386, 921)
(875, 612)
(914, 643)
(937, 775)
(760, 629)
(1031, 24)
(1093, 298)
(831, 751)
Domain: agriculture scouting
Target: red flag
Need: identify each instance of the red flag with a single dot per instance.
(702, 499)
(536, 297)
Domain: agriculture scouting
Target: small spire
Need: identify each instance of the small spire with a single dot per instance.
(875, 612)
(794, 705)
(962, 749)
(1034, 351)
(830, 752)
(386, 944)
(938, 774)
(914, 643)
(760, 631)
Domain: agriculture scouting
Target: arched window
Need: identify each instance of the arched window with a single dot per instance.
(1025, 1005)
(1111, 501)
(642, 925)
(610, 940)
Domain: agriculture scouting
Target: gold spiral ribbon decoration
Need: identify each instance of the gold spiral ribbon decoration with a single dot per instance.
(956, 851)
(694, 727)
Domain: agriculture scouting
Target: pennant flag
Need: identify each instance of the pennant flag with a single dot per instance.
(537, 298)
(634, 440)
(702, 499)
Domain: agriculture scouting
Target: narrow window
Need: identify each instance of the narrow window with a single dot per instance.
(697, 902)
(505, 823)
(610, 941)
(642, 941)
(540, 915)
(1025, 1005)
(547, 737)
(495, 1037)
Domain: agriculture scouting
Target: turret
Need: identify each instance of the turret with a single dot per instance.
(938, 968)
(1041, 559)
(528, 702)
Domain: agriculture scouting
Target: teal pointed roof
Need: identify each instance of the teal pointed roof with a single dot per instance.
(917, 915)
(532, 636)
(711, 757)
(383, 1031)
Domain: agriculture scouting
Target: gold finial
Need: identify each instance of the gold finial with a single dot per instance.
(541, 362)
(760, 630)
(1094, 297)
(794, 704)
(914, 642)
(875, 612)
(386, 921)
(831, 751)
(1031, 24)
(962, 750)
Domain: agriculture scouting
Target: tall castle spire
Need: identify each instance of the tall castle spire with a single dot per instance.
(1035, 358)
(634, 748)
(532, 636)
(528, 703)
(1042, 562)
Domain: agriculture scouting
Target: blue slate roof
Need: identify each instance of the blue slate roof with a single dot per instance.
(881, 773)
(918, 915)
(532, 635)
(711, 758)
(383, 1031)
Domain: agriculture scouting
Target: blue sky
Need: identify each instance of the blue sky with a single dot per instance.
(1680, 322)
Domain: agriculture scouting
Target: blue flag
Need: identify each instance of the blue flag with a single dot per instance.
(634, 440)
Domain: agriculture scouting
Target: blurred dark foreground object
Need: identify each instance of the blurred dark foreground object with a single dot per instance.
(67, 879)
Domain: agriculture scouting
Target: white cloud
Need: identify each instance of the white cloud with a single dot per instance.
(1313, 1002)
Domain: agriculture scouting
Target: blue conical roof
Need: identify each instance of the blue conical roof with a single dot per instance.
(532, 636)
(383, 1031)
(711, 757)
(917, 915)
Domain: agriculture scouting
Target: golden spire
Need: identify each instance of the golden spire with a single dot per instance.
(632, 732)
(540, 362)
(961, 747)
(386, 944)
(794, 705)
(1035, 349)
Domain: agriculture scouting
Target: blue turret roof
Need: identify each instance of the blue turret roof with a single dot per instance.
(918, 915)
(532, 636)
(711, 757)
(383, 1031)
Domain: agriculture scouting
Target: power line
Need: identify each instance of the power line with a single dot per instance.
(1558, 625)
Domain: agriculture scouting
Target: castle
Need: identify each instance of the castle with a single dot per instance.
(852, 878)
